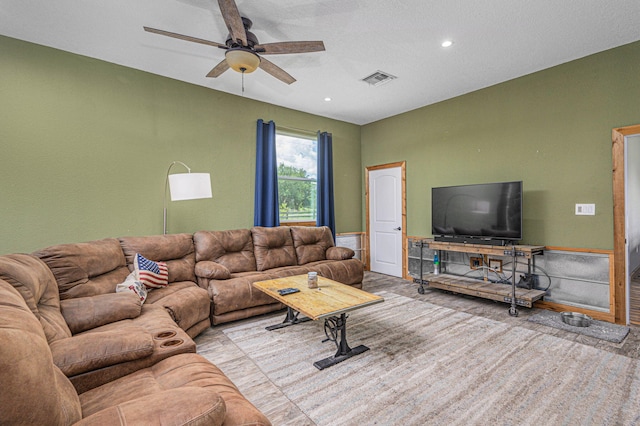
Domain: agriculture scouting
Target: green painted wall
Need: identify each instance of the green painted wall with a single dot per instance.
(551, 129)
(86, 145)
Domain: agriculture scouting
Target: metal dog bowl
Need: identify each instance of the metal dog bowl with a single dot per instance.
(576, 319)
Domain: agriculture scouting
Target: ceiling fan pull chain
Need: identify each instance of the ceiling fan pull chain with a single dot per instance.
(243, 83)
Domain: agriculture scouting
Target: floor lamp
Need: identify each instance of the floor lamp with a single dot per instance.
(185, 186)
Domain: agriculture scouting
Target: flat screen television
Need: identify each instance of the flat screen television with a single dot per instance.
(488, 213)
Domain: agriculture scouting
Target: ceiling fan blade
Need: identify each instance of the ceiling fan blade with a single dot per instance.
(219, 69)
(232, 18)
(183, 37)
(276, 71)
(289, 47)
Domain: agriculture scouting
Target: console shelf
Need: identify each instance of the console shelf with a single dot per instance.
(486, 290)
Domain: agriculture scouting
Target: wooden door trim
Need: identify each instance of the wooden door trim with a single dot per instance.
(619, 231)
(403, 175)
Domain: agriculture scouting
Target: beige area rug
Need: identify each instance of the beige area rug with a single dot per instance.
(434, 365)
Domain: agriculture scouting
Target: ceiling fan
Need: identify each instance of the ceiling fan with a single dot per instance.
(244, 53)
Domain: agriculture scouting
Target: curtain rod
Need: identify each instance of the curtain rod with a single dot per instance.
(297, 130)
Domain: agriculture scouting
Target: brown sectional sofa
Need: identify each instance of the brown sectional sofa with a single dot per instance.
(228, 262)
(73, 350)
(95, 268)
(184, 389)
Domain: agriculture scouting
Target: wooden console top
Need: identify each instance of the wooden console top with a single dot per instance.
(527, 251)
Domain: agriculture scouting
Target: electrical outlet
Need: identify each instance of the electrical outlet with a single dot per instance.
(475, 263)
(495, 265)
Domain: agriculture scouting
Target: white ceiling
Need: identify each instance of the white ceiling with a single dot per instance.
(494, 41)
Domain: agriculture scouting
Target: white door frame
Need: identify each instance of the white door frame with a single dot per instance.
(403, 172)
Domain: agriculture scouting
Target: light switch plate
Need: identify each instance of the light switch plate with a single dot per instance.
(585, 209)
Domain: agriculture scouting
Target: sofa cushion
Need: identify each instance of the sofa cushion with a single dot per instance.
(273, 247)
(350, 271)
(232, 249)
(188, 405)
(37, 286)
(340, 253)
(186, 303)
(110, 347)
(157, 322)
(176, 250)
(86, 313)
(311, 243)
(212, 270)
(86, 269)
(238, 293)
(186, 370)
(151, 274)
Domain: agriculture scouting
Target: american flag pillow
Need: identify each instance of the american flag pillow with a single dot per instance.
(151, 274)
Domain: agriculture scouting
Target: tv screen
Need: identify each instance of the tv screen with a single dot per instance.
(481, 213)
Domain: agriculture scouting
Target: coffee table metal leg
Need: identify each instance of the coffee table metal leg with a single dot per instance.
(290, 319)
(332, 327)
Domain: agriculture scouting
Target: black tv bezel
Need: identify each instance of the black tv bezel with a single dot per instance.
(478, 239)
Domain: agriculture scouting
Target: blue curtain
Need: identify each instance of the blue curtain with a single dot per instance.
(266, 197)
(326, 215)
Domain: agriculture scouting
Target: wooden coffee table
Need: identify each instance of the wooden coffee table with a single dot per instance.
(330, 301)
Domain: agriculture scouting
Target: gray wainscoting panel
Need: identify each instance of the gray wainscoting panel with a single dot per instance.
(352, 241)
(578, 279)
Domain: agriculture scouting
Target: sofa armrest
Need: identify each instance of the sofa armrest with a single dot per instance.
(86, 313)
(339, 253)
(212, 270)
(91, 351)
(187, 405)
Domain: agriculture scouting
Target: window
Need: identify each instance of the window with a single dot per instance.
(297, 178)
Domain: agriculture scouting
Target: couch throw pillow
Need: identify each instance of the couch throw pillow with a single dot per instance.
(133, 285)
(151, 274)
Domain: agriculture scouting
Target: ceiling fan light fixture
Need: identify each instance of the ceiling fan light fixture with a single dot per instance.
(243, 51)
(242, 60)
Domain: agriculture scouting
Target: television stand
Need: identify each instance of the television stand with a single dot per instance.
(483, 288)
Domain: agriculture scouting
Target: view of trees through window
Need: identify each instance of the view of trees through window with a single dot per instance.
(297, 176)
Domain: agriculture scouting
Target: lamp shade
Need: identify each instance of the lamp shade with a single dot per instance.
(189, 186)
(242, 60)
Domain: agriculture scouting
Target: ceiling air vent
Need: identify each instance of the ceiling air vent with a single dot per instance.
(378, 78)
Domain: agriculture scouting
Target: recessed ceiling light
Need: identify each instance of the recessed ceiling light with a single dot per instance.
(327, 99)
(447, 43)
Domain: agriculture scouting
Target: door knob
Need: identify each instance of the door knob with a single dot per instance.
(398, 229)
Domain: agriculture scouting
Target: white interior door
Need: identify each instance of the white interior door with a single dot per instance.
(385, 221)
